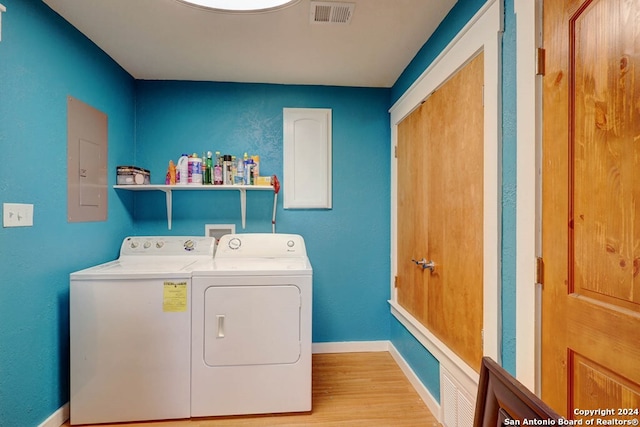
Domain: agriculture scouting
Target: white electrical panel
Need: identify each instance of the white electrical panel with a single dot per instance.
(2, 9)
(87, 140)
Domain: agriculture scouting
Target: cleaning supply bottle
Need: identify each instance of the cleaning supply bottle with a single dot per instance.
(248, 171)
(195, 170)
(256, 168)
(239, 177)
(183, 170)
(172, 173)
(234, 169)
(227, 178)
(208, 169)
(217, 170)
(205, 170)
(245, 159)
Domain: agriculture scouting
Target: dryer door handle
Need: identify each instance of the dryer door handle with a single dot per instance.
(220, 318)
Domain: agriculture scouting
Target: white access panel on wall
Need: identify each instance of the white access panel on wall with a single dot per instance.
(307, 158)
(2, 9)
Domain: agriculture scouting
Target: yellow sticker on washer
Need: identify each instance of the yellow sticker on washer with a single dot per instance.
(174, 297)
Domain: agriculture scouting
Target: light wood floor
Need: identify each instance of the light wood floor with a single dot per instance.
(349, 389)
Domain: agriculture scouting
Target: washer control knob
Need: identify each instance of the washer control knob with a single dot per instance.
(134, 244)
(189, 245)
(159, 244)
(291, 243)
(147, 244)
(235, 243)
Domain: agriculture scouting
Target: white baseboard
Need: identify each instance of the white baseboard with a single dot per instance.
(57, 418)
(422, 391)
(62, 415)
(349, 346)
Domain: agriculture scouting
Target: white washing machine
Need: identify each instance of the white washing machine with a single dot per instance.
(130, 327)
(251, 331)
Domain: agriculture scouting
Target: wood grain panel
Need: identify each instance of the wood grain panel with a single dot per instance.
(597, 388)
(590, 238)
(440, 211)
(555, 206)
(412, 213)
(606, 155)
(455, 121)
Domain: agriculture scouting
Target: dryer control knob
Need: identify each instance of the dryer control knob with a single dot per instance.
(147, 244)
(235, 243)
(291, 243)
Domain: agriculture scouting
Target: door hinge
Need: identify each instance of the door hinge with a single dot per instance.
(395, 151)
(540, 61)
(539, 271)
(395, 282)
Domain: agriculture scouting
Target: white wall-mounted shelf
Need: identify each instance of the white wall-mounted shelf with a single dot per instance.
(169, 189)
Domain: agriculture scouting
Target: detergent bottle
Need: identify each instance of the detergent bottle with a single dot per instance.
(172, 173)
(183, 170)
(195, 170)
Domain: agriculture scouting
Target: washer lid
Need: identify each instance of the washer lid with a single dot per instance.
(151, 267)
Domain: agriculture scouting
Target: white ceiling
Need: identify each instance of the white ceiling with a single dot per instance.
(168, 40)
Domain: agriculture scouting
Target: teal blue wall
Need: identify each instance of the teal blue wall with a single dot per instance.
(448, 29)
(424, 364)
(509, 188)
(42, 60)
(348, 245)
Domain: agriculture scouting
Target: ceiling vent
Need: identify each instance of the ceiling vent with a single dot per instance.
(327, 12)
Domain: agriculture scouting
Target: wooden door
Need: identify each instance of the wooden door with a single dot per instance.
(591, 224)
(440, 219)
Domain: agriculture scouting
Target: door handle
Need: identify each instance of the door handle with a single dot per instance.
(425, 264)
(220, 328)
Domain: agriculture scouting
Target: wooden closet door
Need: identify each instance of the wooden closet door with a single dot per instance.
(590, 217)
(440, 212)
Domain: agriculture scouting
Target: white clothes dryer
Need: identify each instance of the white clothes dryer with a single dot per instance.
(251, 331)
(130, 332)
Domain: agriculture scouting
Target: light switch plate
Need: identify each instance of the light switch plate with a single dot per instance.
(17, 215)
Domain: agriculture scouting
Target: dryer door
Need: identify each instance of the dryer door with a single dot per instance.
(251, 325)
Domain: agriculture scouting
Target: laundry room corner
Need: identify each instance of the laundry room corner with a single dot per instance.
(347, 244)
